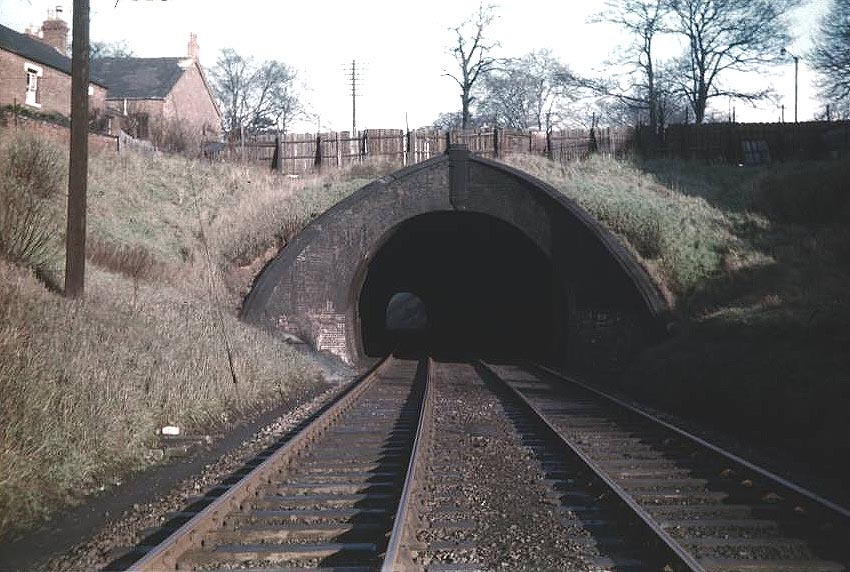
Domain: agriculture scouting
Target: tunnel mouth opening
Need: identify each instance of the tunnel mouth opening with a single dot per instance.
(468, 286)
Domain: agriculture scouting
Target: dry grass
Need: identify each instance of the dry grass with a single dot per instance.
(680, 239)
(86, 385)
(759, 262)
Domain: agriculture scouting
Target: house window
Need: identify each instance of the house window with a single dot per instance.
(33, 73)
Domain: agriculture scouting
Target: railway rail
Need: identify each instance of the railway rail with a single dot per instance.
(326, 498)
(716, 511)
(398, 475)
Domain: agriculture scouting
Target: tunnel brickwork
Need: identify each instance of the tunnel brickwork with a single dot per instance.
(477, 241)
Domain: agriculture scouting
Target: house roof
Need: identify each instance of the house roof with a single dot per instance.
(33, 49)
(139, 78)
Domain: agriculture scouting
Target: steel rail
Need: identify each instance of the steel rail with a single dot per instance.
(190, 535)
(814, 497)
(397, 558)
(681, 554)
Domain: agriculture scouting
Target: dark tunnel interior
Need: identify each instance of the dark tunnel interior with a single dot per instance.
(459, 285)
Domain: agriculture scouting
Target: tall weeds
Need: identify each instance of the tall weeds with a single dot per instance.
(31, 177)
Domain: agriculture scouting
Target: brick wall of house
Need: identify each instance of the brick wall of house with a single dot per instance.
(190, 104)
(54, 87)
(11, 123)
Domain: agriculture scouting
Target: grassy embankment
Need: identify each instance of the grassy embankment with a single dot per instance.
(86, 385)
(756, 262)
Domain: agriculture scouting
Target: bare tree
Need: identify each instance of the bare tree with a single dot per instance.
(644, 21)
(527, 92)
(447, 121)
(99, 50)
(471, 52)
(230, 79)
(255, 97)
(830, 54)
(276, 99)
(724, 36)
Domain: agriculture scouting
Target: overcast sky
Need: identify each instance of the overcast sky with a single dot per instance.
(401, 46)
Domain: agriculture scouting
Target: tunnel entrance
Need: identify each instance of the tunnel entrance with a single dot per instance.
(471, 284)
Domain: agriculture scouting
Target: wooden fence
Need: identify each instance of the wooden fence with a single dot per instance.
(299, 153)
(736, 143)
(748, 143)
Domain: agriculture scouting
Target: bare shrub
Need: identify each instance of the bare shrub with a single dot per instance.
(31, 175)
(29, 226)
(35, 164)
(136, 262)
(174, 137)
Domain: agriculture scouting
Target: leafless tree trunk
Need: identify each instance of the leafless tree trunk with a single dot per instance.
(471, 51)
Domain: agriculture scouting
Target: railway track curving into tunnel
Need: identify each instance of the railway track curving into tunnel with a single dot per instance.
(459, 467)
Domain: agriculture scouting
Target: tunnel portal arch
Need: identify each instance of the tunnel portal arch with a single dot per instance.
(316, 285)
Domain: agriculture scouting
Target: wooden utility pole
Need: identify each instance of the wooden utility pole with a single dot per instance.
(75, 236)
(353, 98)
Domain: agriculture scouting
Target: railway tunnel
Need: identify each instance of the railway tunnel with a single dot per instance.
(459, 257)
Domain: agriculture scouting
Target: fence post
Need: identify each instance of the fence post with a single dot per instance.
(362, 145)
(497, 153)
(317, 162)
(549, 143)
(277, 160)
(338, 150)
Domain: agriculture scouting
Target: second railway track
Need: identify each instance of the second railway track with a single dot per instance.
(463, 467)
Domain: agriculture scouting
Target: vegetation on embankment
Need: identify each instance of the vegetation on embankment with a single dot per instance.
(756, 262)
(86, 385)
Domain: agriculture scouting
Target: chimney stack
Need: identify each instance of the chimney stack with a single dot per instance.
(194, 49)
(54, 31)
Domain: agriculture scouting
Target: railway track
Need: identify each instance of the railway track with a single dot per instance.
(326, 499)
(717, 512)
(440, 467)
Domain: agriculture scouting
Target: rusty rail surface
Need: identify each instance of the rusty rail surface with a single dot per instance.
(240, 499)
(397, 557)
(713, 509)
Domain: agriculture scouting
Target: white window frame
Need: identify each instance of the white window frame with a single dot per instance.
(33, 73)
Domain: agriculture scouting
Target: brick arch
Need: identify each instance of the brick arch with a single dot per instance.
(312, 288)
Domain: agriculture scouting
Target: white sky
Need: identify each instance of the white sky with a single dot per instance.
(402, 46)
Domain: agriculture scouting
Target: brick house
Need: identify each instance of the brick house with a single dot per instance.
(35, 72)
(160, 99)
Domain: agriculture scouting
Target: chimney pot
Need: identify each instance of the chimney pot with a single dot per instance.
(194, 51)
(54, 31)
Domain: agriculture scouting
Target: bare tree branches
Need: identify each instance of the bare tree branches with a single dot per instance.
(643, 20)
(830, 54)
(727, 35)
(255, 97)
(527, 92)
(471, 51)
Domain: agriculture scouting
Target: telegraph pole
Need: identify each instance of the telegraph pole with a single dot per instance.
(353, 98)
(75, 236)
